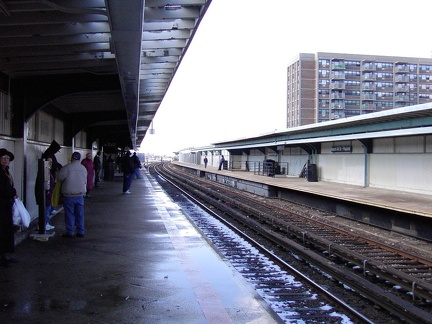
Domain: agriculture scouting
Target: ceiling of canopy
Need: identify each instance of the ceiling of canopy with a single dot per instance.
(114, 59)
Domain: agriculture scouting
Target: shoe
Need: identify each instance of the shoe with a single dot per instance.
(49, 227)
(127, 192)
(66, 236)
(54, 212)
(80, 235)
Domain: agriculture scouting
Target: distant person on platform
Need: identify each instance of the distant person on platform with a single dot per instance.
(221, 162)
(128, 171)
(7, 199)
(109, 169)
(74, 186)
(88, 164)
(97, 167)
(137, 166)
(205, 162)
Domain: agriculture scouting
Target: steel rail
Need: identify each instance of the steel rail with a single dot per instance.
(418, 286)
(353, 313)
(386, 300)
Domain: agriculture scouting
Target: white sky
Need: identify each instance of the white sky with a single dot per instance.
(232, 81)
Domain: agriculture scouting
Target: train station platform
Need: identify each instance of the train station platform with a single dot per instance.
(140, 261)
(399, 201)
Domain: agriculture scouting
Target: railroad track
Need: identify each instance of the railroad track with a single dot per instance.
(290, 294)
(377, 262)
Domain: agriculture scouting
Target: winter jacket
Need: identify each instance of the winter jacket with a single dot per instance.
(88, 164)
(74, 179)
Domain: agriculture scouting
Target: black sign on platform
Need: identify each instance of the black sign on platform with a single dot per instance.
(342, 148)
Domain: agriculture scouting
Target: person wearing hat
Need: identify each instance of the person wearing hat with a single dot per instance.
(48, 155)
(50, 152)
(7, 198)
(73, 177)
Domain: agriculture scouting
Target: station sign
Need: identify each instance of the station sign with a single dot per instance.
(341, 149)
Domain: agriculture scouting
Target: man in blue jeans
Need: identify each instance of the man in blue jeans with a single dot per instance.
(74, 185)
(128, 171)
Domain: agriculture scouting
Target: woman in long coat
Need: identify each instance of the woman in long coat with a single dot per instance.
(7, 198)
(88, 164)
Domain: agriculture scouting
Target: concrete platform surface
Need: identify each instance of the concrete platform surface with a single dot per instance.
(401, 201)
(141, 261)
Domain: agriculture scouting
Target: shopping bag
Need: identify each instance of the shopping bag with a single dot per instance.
(15, 215)
(57, 199)
(23, 213)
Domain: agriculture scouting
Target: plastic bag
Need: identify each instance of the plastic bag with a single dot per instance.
(15, 215)
(57, 198)
(23, 213)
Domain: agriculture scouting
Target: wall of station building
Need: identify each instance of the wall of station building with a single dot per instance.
(396, 163)
(42, 129)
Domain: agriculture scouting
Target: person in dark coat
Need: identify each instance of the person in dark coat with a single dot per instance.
(137, 166)
(221, 162)
(128, 171)
(109, 169)
(48, 155)
(50, 152)
(7, 198)
(48, 200)
(97, 167)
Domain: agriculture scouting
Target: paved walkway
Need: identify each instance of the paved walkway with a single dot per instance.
(141, 261)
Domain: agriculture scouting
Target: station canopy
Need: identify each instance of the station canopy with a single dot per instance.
(105, 64)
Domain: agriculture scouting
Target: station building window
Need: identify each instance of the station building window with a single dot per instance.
(5, 113)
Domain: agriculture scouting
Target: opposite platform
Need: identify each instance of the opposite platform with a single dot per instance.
(405, 202)
(141, 261)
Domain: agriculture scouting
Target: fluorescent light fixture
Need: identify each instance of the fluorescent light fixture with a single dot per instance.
(173, 7)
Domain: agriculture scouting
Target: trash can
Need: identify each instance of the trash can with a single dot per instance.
(312, 175)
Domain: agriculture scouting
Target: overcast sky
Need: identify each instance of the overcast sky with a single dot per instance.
(232, 81)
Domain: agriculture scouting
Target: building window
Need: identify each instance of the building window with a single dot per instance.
(384, 65)
(324, 92)
(323, 73)
(352, 92)
(352, 73)
(5, 113)
(413, 77)
(412, 67)
(351, 83)
(384, 84)
(324, 63)
(352, 63)
(381, 94)
(425, 68)
(381, 75)
(352, 103)
(384, 104)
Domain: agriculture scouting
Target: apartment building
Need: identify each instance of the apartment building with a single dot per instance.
(327, 86)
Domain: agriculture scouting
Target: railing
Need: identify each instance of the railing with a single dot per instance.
(269, 169)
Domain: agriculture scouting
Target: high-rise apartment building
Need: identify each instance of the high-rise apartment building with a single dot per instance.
(326, 86)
